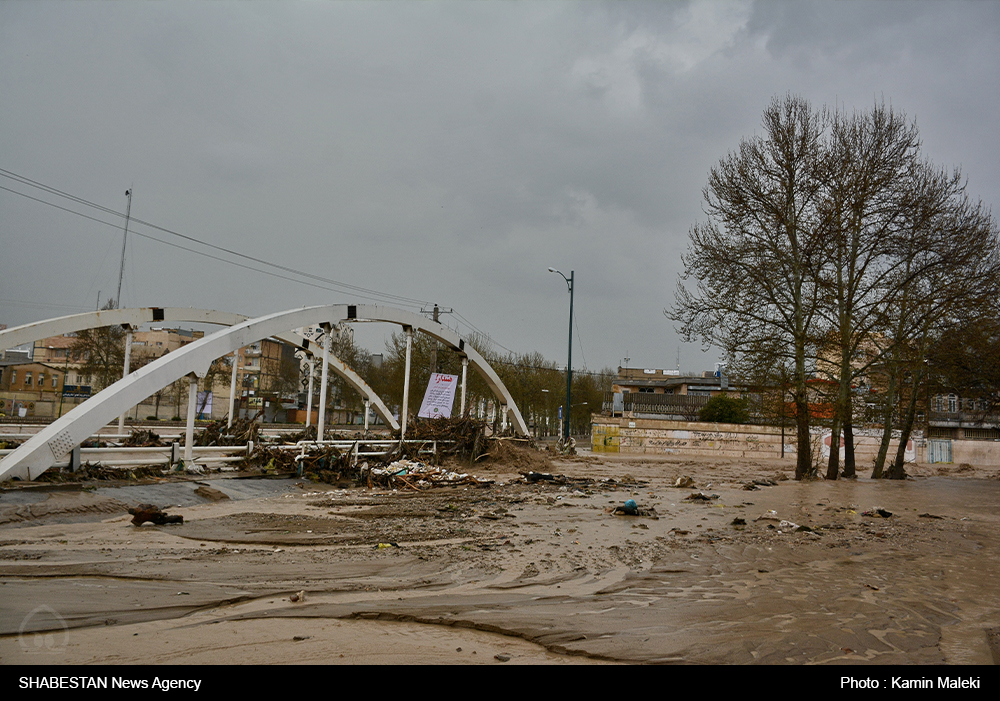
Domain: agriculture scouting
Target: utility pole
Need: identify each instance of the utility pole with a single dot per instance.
(569, 355)
(121, 268)
(437, 311)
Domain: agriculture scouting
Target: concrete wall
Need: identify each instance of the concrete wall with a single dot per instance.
(985, 453)
(655, 436)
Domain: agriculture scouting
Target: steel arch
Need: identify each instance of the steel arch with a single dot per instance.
(57, 439)
(138, 316)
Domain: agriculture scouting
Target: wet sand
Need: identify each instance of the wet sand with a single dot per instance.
(527, 573)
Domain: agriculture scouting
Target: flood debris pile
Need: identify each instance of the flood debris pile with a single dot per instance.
(405, 466)
(88, 472)
(458, 436)
(319, 463)
(143, 438)
(415, 475)
(219, 433)
(306, 434)
(519, 454)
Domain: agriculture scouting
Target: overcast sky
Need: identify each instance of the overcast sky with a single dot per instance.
(436, 151)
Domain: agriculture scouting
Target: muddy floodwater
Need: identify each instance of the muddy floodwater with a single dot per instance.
(742, 566)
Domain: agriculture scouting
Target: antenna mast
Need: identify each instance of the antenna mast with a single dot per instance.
(121, 268)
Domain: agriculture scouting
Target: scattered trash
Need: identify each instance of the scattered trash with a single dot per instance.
(385, 546)
(877, 511)
(568, 448)
(771, 515)
(417, 476)
(738, 522)
(701, 496)
(152, 513)
(683, 482)
(297, 597)
(502, 658)
(630, 508)
(533, 477)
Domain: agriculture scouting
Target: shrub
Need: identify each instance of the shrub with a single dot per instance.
(722, 409)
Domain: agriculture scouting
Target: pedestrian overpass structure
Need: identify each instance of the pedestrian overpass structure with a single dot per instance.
(193, 360)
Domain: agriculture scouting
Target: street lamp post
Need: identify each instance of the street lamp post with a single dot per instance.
(569, 354)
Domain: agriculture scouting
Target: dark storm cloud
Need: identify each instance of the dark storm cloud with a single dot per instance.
(447, 152)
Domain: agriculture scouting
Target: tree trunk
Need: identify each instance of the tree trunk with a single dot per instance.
(887, 411)
(898, 470)
(849, 467)
(833, 467)
(803, 462)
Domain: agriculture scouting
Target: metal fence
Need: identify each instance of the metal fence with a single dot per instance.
(678, 407)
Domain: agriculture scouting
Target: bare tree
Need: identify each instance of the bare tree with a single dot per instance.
(870, 159)
(950, 275)
(101, 352)
(756, 258)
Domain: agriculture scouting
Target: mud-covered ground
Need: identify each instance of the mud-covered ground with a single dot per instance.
(782, 572)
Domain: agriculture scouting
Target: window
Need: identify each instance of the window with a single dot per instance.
(27, 379)
(55, 381)
(13, 377)
(952, 403)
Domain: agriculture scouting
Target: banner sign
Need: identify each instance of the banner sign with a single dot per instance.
(439, 397)
(204, 405)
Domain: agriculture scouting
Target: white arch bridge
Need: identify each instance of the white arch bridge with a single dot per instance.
(193, 360)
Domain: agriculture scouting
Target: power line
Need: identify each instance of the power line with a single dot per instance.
(330, 284)
(174, 245)
(361, 291)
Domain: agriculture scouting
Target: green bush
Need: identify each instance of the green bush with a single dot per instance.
(722, 409)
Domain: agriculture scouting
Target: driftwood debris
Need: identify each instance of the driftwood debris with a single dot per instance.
(219, 433)
(152, 513)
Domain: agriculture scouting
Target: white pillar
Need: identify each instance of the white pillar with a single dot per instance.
(309, 399)
(503, 417)
(192, 401)
(128, 359)
(367, 409)
(406, 384)
(465, 368)
(232, 387)
(327, 340)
